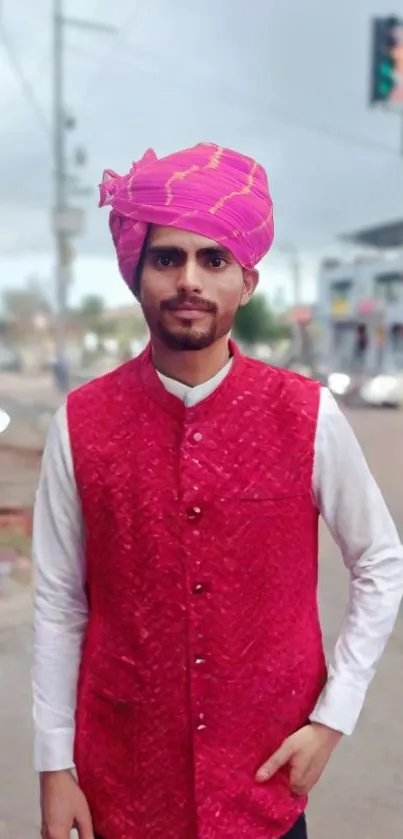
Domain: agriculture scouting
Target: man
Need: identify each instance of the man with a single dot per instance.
(177, 638)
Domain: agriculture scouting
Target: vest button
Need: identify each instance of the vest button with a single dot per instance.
(199, 588)
(197, 437)
(194, 513)
(199, 660)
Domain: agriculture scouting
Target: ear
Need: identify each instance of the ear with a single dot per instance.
(250, 281)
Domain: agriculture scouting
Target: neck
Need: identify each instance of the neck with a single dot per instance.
(193, 367)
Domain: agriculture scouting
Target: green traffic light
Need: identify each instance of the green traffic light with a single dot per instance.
(386, 69)
(386, 81)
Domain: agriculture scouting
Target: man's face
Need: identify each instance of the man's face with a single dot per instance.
(191, 288)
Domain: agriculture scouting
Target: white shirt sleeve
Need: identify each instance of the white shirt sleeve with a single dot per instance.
(353, 508)
(61, 609)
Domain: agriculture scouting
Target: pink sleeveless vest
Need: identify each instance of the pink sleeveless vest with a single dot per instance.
(203, 650)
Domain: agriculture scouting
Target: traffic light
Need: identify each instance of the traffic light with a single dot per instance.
(387, 60)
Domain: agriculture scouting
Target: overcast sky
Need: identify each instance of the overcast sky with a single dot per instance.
(285, 81)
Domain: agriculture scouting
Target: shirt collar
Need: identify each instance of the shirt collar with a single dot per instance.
(192, 395)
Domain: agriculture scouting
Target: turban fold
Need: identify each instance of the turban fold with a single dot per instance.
(208, 190)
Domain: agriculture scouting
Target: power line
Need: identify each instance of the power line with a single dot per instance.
(270, 107)
(277, 111)
(332, 133)
(104, 63)
(25, 85)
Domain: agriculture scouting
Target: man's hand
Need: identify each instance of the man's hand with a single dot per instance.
(63, 807)
(307, 753)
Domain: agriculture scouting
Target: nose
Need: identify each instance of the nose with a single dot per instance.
(189, 278)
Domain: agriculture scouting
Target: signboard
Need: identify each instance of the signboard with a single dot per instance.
(340, 297)
(340, 308)
(299, 314)
(366, 307)
(370, 309)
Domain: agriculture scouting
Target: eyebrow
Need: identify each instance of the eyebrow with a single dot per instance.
(210, 250)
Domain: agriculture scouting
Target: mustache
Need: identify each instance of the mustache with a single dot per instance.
(189, 300)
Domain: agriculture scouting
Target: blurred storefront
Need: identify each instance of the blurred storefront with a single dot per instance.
(360, 303)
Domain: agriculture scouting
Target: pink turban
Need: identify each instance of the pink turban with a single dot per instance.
(208, 190)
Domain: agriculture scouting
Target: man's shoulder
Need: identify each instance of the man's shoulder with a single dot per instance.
(107, 385)
(287, 379)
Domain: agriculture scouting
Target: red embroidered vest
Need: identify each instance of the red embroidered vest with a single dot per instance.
(203, 649)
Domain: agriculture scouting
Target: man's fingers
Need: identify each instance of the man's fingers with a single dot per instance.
(85, 831)
(280, 758)
(84, 826)
(298, 781)
(303, 778)
(55, 832)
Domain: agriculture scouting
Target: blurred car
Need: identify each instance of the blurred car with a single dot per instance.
(382, 390)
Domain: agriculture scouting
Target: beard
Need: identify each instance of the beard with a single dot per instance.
(188, 335)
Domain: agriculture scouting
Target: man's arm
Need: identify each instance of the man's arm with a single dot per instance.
(61, 608)
(353, 508)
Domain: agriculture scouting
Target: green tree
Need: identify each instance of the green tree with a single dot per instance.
(255, 323)
(91, 313)
(22, 304)
(92, 307)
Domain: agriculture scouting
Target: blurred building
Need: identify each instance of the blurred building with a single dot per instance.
(360, 303)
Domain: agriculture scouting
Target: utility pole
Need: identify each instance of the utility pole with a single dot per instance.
(67, 220)
(62, 268)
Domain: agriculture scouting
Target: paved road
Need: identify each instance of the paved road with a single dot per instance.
(361, 796)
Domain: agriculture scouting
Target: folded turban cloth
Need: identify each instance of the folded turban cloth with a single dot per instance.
(208, 190)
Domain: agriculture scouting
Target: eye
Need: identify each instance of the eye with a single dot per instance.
(163, 261)
(216, 262)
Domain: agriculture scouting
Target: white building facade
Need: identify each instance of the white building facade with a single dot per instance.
(360, 312)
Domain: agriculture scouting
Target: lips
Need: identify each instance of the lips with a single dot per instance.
(190, 308)
(188, 313)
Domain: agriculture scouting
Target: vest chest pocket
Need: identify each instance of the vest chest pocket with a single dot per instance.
(255, 499)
